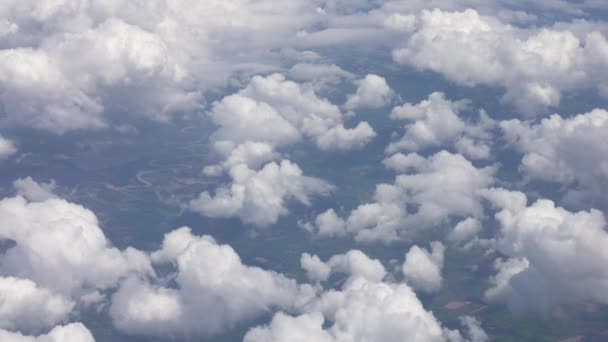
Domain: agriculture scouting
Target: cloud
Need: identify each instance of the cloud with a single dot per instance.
(534, 65)
(363, 309)
(208, 275)
(281, 112)
(435, 122)
(60, 246)
(259, 197)
(372, 92)
(81, 65)
(34, 191)
(269, 113)
(555, 256)
(7, 147)
(553, 151)
(465, 230)
(426, 194)
(354, 263)
(422, 268)
(27, 307)
(74, 332)
(320, 73)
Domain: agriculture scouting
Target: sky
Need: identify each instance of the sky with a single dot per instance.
(482, 125)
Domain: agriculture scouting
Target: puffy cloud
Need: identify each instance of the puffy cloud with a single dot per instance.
(372, 92)
(75, 64)
(26, 307)
(60, 246)
(436, 122)
(363, 309)
(269, 113)
(303, 328)
(342, 138)
(534, 65)
(399, 22)
(7, 147)
(327, 224)
(556, 256)
(37, 94)
(258, 197)
(465, 230)
(422, 268)
(315, 269)
(34, 191)
(322, 73)
(280, 112)
(553, 151)
(208, 275)
(427, 193)
(354, 263)
(74, 332)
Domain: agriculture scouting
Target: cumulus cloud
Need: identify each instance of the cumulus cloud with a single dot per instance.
(74, 65)
(60, 246)
(435, 122)
(354, 263)
(319, 73)
(465, 231)
(74, 332)
(259, 197)
(372, 92)
(422, 268)
(7, 147)
(426, 193)
(534, 65)
(269, 113)
(555, 256)
(363, 309)
(27, 307)
(208, 275)
(280, 112)
(571, 151)
(34, 191)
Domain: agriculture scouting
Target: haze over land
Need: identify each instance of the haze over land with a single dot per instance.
(326, 170)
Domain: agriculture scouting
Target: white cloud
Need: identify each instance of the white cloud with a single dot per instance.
(439, 187)
(208, 275)
(34, 191)
(281, 112)
(364, 309)
(570, 151)
(60, 246)
(26, 307)
(259, 197)
(320, 73)
(399, 22)
(316, 269)
(556, 256)
(74, 65)
(269, 113)
(354, 263)
(7, 147)
(465, 230)
(534, 65)
(435, 122)
(74, 332)
(327, 224)
(422, 268)
(37, 94)
(372, 92)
